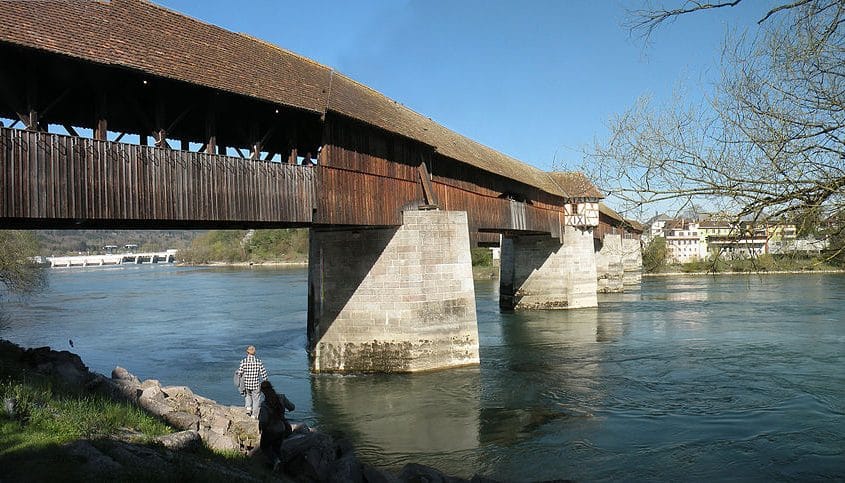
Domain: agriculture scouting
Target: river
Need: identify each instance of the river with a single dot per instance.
(688, 378)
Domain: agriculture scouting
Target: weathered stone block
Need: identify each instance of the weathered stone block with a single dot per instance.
(351, 305)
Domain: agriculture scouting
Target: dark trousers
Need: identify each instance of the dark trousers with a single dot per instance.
(272, 438)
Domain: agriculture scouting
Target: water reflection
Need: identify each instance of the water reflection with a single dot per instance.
(429, 418)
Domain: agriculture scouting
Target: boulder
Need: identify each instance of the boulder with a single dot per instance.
(348, 468)
(151, 383)
(182, 420)
(179, 392)
(94, 461)
(220, 442)
(155, 406)
(376, 475)
(310, 455)
(121, 374)
(64, 365)
(417, 473)
(181, 441)
(149, 392)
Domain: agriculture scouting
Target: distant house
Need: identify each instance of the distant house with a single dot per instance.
(130, 247)
(710, 236)
(683, 241)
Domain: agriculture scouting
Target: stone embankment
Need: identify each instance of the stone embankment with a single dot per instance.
(309, 455)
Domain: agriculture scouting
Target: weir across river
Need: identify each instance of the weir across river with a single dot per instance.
(193, 126)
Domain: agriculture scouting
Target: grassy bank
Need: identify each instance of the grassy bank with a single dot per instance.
(44, 420)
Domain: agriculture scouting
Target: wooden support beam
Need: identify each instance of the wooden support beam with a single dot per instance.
(161, 140)
(428, 190)
(210, 132)
(70, 130)
(100, 122)
(184, 145)
(292, 157)
(101, 130)
(240, 153)
(269, 155)
(55, 102)
(147, 126)
(31, 99)
(179, 118)
(119, 137)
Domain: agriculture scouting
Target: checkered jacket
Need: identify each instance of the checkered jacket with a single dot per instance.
(253, 372)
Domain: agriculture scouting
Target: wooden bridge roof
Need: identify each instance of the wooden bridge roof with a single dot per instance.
(139, 35)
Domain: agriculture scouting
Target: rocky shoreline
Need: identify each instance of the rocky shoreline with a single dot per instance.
(308, 455)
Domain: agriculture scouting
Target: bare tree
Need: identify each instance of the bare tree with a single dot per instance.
(768, 142)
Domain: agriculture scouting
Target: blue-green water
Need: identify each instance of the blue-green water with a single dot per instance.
(689, 378)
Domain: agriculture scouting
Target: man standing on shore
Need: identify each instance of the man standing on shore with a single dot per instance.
(253, 373)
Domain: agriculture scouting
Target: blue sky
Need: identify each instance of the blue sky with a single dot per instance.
(537, 80)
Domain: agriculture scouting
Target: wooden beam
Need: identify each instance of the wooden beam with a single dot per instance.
(292, 157)
(428, 191)
(55, 102)
(147, 126)
(269, 155)
(70, 130)
(101, 130)
(179, 118)
(119, 137)
(161, 140)
(210, 132)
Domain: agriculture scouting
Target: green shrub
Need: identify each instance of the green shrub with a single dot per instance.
(481, 257)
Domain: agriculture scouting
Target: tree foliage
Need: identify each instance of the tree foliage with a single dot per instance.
(18, 272)
(231, 246)
(655, 255)
(769, 142)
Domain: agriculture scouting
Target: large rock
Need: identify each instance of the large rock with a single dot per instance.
(121, 374)
(91, 458)
(417, 473)
(182, 420)
(182, 441)
(311, 456)
(64, 365)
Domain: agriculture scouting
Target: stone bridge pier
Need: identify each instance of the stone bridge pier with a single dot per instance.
(543, 272)
(392, 299)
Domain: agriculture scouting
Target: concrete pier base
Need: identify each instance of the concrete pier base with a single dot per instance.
(632, 262)
(392, 300)
(540, 272)
(609, 264)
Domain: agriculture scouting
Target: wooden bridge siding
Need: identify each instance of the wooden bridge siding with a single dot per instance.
(47, 176)
(373, 197)
(498, 214)
(359, 181)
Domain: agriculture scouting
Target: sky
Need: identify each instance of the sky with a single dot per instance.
(537, 80)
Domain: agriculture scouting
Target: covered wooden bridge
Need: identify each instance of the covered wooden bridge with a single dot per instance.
(125, 114)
